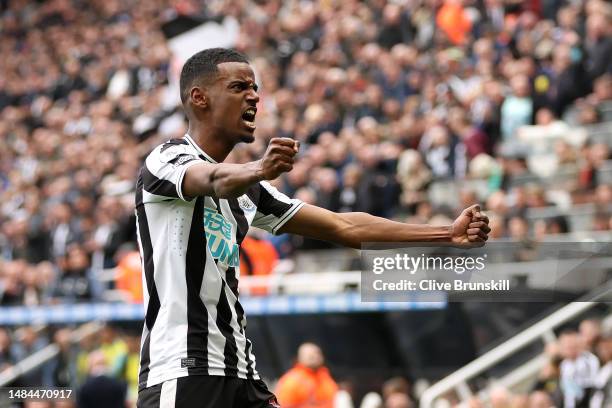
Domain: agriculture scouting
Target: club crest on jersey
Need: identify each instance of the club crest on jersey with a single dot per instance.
(219, 238)
(245, 203)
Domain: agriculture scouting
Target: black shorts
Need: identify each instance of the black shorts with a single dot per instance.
(203, 391)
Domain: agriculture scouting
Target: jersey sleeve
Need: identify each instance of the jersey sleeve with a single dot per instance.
(274, 208)
(165, 167)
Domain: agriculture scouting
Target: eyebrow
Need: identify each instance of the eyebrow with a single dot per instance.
(243, 81)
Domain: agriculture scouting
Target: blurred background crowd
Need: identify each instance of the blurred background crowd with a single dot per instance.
(577, 373)
(396, 103)
(389, 99)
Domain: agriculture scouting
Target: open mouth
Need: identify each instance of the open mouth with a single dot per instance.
(248, 117)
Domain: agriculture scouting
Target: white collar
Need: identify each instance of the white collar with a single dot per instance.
(195, 145)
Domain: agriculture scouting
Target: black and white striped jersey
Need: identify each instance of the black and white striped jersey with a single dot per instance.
(194, 322)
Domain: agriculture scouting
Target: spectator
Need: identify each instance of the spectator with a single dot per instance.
(540, 399)
(100, 389)
(398, 400)
(348, 195)
(11, 288)
(453, 21)
(474, 139)
(386, 96)
(257, 258)
(548, 382)
(7, 358)
(414, 177)
(518, 228)
(29, 343)
(132, 366)
(129, 274)
(602, 385)
(517, 109)
(590, 334)
(396, 393)
(63, 230)
(395, 385)
(598, 44)
(396, 27)
(578, 369)
(354, 81)
(308, 384)
(60, 372)
(500, 398)
(115, 351)
(76, 282)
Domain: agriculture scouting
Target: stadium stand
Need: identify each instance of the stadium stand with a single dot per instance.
(408, 109)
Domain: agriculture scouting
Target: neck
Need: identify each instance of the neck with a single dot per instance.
(216, 146)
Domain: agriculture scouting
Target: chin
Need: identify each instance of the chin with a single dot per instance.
(247, 138)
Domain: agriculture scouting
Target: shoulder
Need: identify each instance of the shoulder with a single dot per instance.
(172, 152)
(177, 145)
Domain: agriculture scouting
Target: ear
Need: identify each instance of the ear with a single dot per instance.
(198, 97)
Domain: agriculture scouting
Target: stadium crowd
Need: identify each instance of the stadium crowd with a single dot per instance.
(578, 373)
(387, 98)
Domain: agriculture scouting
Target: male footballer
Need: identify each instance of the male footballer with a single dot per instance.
(193, 211)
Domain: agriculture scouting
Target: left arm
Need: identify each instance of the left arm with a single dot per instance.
(352, 229)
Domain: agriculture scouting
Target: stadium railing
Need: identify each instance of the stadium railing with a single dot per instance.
(42, 356)
(540, 331)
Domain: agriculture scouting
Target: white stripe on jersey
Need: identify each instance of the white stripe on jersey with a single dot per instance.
(169, 255)
(167, 395)
(190, 251)
(210, 292)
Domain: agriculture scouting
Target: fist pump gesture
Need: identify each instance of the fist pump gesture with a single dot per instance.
(471, 228)
(278, 158)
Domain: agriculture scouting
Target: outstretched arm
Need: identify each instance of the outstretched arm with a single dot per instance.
(352, 229)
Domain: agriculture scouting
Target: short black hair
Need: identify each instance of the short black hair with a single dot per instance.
(203, 65)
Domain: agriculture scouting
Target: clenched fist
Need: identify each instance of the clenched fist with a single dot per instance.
(278, 158)
(471, 228)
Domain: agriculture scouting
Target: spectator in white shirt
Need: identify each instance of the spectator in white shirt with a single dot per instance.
(578, 369)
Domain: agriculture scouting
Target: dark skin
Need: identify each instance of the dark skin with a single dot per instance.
(215, 111)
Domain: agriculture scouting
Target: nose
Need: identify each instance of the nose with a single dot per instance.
(252, 96)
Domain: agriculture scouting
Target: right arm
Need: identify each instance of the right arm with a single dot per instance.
(225, 180)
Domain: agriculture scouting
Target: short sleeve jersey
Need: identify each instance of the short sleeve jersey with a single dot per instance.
(190, 250)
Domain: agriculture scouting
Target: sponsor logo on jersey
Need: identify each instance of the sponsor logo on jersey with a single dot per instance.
(219, 238)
